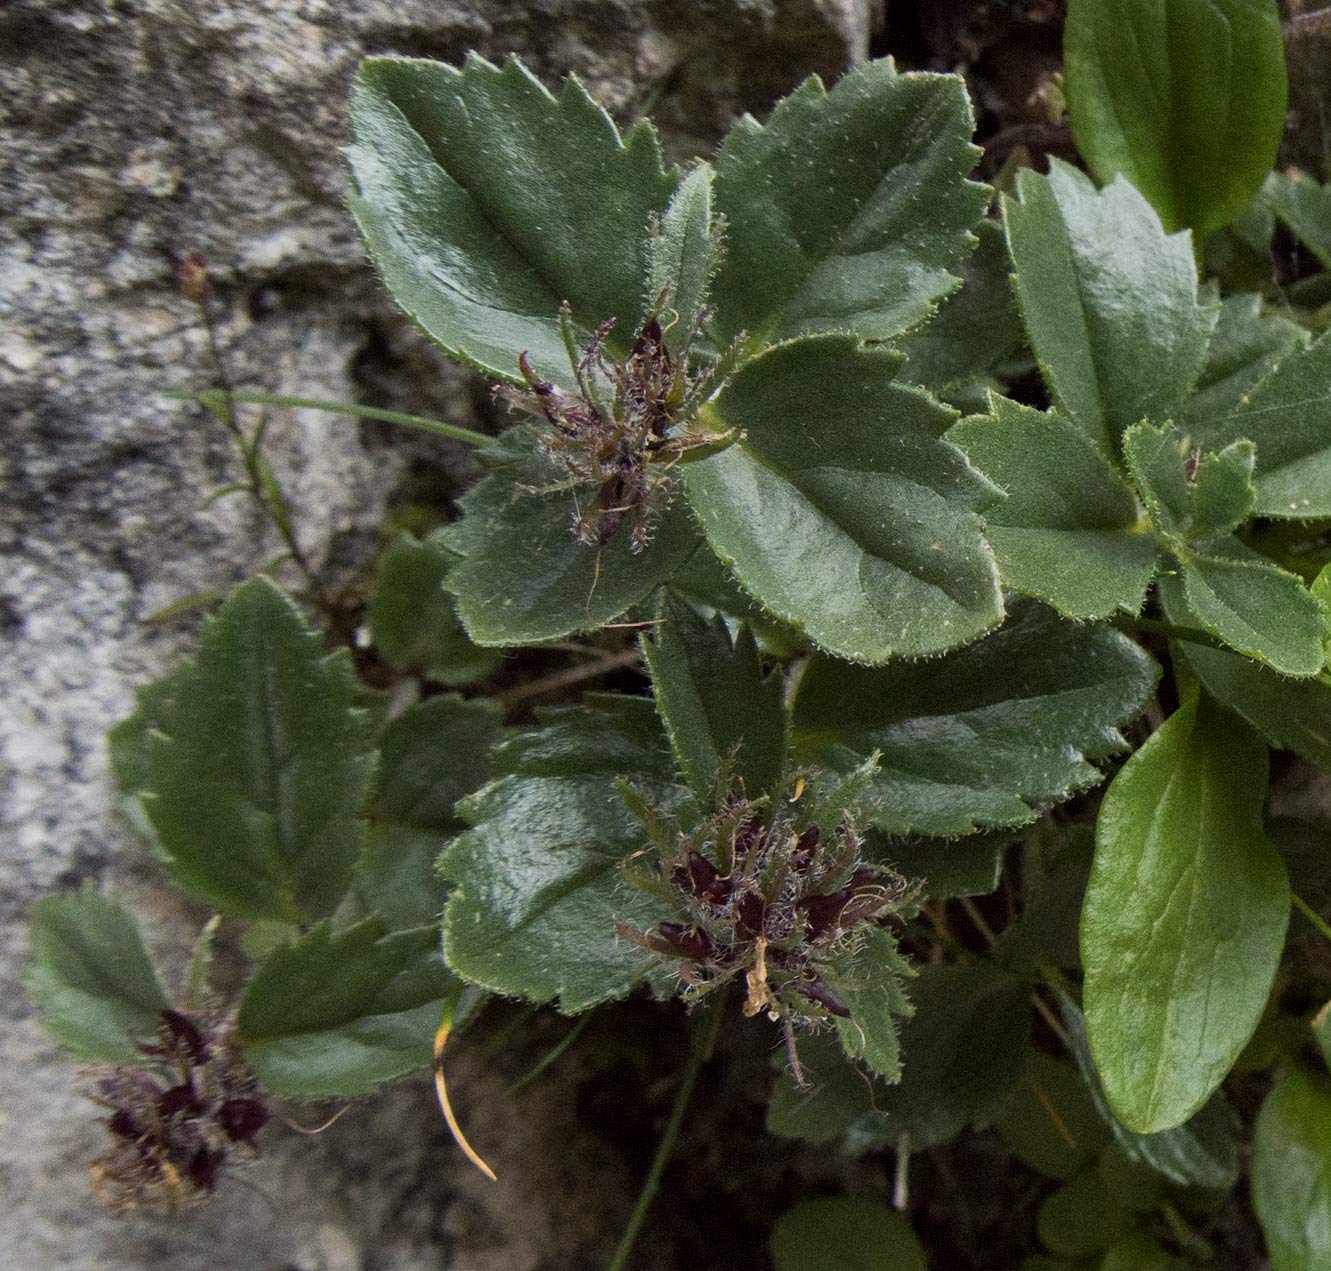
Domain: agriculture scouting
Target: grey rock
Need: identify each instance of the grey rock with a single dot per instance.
(133, 132)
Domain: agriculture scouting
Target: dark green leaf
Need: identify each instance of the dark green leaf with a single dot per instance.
(1110, 301)
(1222, 493)
(396, 879)
(1067, 532)
(1051, 1123)
(1154, 456)
(839, 1100)
(871, 986)
(985, 736)
(485, 203)
(341, 1012)
(839, 1233)
(1321, 1026)
(523, 577)
(431, 755)
(413, 621)
(849, 209)
(1080, 1219)
(127, 750)
(684, 253)
(1305, 206)
(1291, 1172)
(720, 712)
(1202, 1152)
(91, 977)
(261, 764)
(706, 582)
(1185, 97)
(968, 866)
(537, 894)
(1176, 980)
(1138, 1252)
(842, 510)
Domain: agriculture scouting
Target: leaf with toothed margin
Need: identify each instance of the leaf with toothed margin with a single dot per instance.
(983, 737)
(684, 251)
(849, 209)
(871, 985)
(523, 577)
(485, 203)
(536, 893)
(842, 509)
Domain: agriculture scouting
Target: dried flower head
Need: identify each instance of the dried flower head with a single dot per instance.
(175, 1122)
(619, 434)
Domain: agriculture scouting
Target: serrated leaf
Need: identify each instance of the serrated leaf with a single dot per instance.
(1185, 97)
(396, 879)
(127, 750)
(706, 582)
(1176, 981)
(717, 707)
(842, 509)
(413, 621)
(485, 202)
(1067, 531)
(1256, 608)
(261, 764)
(1222, 493)
(968, 866)
(849, 209)
(1305, 206)
(523, 577)
(870, 984)
(839, 1100)
(841, 1233)
(91, 978)
(975, 328)
(985, 736)
(1109, 301)
(431, 755)
(536, 890)
(684, 252)
(608, 734)
(339, 1013)
(1291, 1172)
(1154, 457)
(1202, 1152)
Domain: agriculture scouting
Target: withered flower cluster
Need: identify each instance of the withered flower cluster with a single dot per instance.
(618, 435)
(175, 1122)
(765, 896)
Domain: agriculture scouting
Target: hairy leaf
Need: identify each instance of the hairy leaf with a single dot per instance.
(684, 252)
(261, 764)
(91, 978)
(842, 509)
(849, 209)
(871, 986)
(838, 1102)
(985, 736)
(1176, 980)
(1291, 1172)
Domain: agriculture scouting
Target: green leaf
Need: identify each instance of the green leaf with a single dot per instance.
(1176, 980)
(705, 582)
(975, 328)
(684, 252)
(1222, 493)
(396, 879)
(842, 509)
(261, 764)
(339, 1013)
(1080, 1219)
(485, 202)
(968, 866)
(1138, 1252)
(1051, 1123)
(1256, 608)
(537, 894)
(431, 755)
(1321, 1027)
(127, 750)
(1291, 1172)
(1185, 97)
(1118, 340)
(985, 736)
(840, 1233)
(523, 577)
(849, 209)
(1154, 456)
(413, 621)
(715, 703)
(91, 978)
(1202, 1152)
(1067, 531)
(870, 985)
(1305, 206)
(839, 1101)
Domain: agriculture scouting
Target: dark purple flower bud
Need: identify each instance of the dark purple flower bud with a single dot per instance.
(177, 1100)
(822, 914)
(816, 991)
(802, 856)
(123, 1126)
(242, 1119)
(181, 1030)
(751, 915)
(688, 942)
(699, 876)
(203, 1169)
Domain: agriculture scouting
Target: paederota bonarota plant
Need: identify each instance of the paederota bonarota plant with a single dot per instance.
(895, 509)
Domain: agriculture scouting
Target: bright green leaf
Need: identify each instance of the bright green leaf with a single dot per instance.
(485, 202)
(1110, 301)
(840, 1233)
(842, 509)
(984, 736)
(1176, 980)
(1067, 531)
(1291, 1173)
(849, 209)
(715, 703)
(91, 977)
(1185, 97)
(260, 768)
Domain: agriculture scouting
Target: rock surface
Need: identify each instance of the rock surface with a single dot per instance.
(133, 132)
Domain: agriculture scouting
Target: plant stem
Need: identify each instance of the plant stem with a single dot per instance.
(704, 1038)
(1311, 914)
(569, 677)
(552, 1055)
(1153, 626)
(425, 424)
